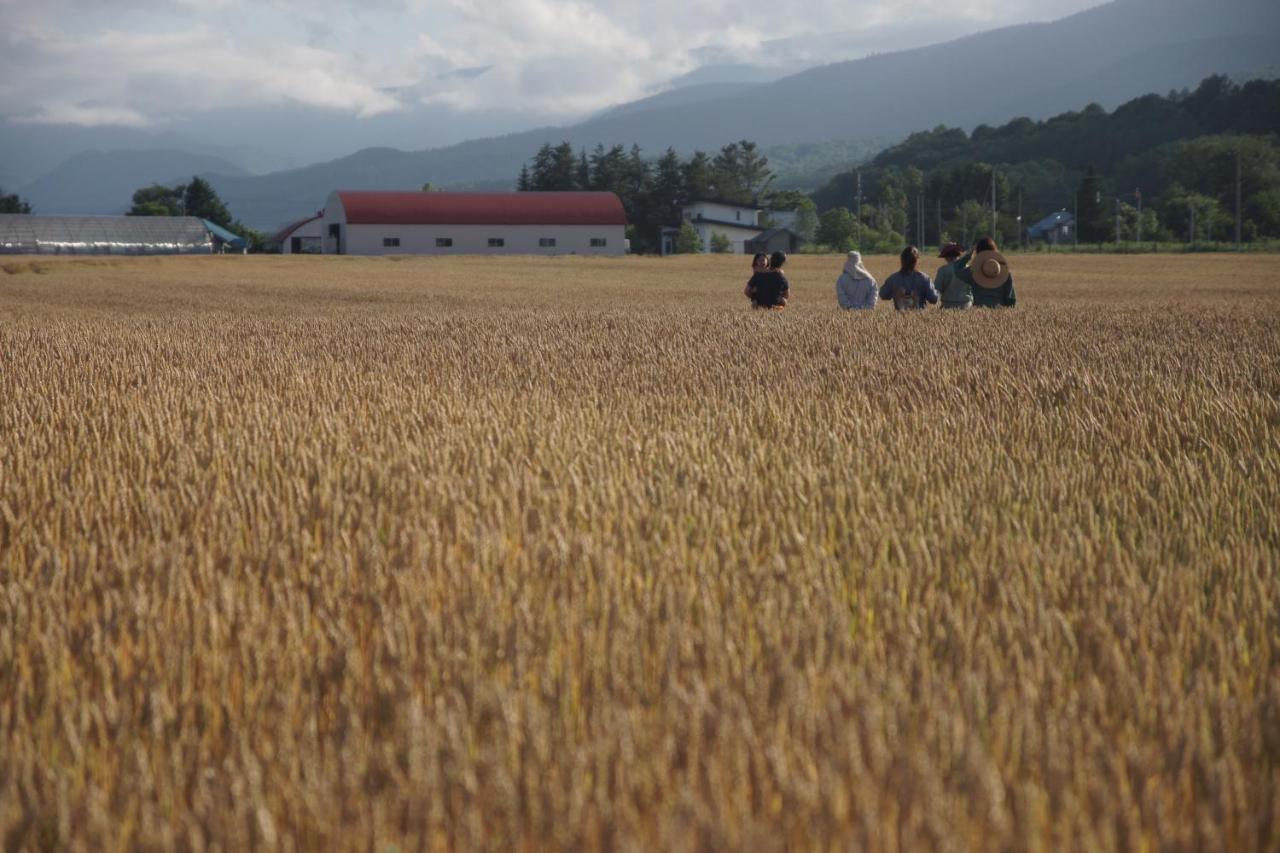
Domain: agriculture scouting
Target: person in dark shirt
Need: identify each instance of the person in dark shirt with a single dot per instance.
(759, 266)
(773, 289)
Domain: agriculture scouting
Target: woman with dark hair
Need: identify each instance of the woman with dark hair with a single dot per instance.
(909, 288)
(770, 289)
(759, 266)
(988, 278)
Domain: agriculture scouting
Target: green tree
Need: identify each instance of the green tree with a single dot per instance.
(158, 200)
(688, 242)
(970, 220)
(1192, 215)
(13, 204)
(523, 183)
(836, 229)
(806, 225)
(200, 199)
(555, 168)
(699, 180)
(1092, 224)
(740, 172)
(721, 244)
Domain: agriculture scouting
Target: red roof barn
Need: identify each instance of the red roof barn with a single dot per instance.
(375, 223)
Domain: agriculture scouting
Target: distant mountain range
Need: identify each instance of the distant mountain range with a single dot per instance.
(1107, 55)
(103, 182)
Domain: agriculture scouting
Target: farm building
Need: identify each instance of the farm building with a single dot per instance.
(225, 241)
(1053, 229)
(773, 240)
(430, 223)
(299, 238)
(23, 234)
(738, 222)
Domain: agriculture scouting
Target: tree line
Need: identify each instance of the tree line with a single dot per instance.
(1163, 167)
(652, 192)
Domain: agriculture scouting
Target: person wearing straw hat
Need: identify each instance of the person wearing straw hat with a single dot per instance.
(954, 293)
(856, 288)
(987, 273)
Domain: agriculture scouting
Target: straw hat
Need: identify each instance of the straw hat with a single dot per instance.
(989, 269)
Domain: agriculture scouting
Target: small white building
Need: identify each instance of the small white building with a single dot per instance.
(455, 223)
(739, 222)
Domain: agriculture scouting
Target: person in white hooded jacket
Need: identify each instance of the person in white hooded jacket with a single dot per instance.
(856, 288)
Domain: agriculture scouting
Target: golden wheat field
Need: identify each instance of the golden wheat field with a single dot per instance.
(477, 553)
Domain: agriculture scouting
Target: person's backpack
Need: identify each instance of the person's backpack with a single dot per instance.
(904, 296)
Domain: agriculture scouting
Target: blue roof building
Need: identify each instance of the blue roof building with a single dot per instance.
(1054, 228)
(224, 240)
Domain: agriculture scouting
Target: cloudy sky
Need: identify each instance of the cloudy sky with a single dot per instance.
(138, 63)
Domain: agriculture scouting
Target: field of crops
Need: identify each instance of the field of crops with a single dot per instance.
(398, 554)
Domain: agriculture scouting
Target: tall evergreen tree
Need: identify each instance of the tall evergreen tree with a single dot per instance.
(667, 196)
(1092, 226)
(523, 183)
(540, 179)
(200, 199)
(699, 182)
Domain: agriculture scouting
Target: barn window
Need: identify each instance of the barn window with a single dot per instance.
(390, 242)
(547, 242)
(444, 242)
(598, 242)
(497, 242)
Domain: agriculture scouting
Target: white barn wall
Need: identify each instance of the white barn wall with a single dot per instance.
(738, 237)
(474, 239)
(747, 217)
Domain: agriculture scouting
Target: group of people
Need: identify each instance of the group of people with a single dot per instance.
(977, 277)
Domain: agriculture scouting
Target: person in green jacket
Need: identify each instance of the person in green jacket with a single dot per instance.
(989, 290)
(955, 294)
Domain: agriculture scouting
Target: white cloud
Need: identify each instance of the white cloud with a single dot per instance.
(139, 61)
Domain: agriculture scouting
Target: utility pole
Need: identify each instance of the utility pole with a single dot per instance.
(993, 202)
(1238, 191)
(1021, 230)
(1117, 221)
(1075, 223)
(920, 218)
(858, 206)
(939, 223)
(1192, 234)
(1138, 192)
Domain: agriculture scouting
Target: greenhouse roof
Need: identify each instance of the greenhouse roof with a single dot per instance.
(103, 235)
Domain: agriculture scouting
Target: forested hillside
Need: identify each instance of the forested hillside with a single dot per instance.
(1167, 154)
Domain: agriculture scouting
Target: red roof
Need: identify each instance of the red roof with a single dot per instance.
(437, 208)
(286, 232)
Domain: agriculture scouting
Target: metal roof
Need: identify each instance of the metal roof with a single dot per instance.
(103, 235)
(457, 208)
(1051, 221)
(771, 233)
(287, 231)
(229, 237)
